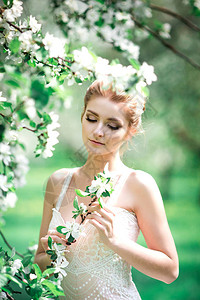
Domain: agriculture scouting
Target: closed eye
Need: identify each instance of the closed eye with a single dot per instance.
(111, 127)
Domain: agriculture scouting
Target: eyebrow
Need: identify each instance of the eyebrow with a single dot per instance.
(110, 119)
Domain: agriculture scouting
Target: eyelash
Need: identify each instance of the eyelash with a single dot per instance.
(111, 127)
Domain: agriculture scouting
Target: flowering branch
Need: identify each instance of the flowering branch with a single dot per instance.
(166, 44)
(184, 20)
(9, 246)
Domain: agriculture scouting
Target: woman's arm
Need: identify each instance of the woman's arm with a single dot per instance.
(160, 259)
(52, 192)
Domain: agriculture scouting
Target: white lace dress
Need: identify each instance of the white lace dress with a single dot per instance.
(94, 270)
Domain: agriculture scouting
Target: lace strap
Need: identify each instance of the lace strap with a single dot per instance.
(64, 188)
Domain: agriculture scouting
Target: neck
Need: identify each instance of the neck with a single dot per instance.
(96, 163)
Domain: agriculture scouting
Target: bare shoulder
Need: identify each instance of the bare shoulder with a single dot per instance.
(54, 184)
(144, 189)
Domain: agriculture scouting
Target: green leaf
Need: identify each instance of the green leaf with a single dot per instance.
(39, 93)
(145, 90)
(75, 203)
(8, 3)
(48, 272)
(50, 252)
(105, 194)
(53, 61)
(31, 63)
(100, 1)
(54, 256)
(47, 118)
(3, 280)
(38, 272)
(134, 63)
(99, 200)
(75, 216)
(50, 242)
(26, 260)
(5, 104)
(53, 288)
(35, 291)
(78, 80)
(63, 76)
(14, 280)
(14, 45)
(71, 239)
(39, 114)
(59, 229)
(12, 83)
(100, 22)
(32, 123)
(81, 193)
(115, 62)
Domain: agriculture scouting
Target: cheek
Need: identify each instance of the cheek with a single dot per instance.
(116, 137)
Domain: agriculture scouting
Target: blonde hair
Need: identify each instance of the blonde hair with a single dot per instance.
(98, 89)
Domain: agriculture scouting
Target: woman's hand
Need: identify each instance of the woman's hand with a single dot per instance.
(103, 220)
(56, 237)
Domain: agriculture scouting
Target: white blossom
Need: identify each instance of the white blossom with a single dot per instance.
(165, 32)
(83, 58)
(76, 5)
(5, 153)
(29, 106)
(147, 72)
(14, 12)
(26, 39)
(197, 4)
(52, 135)
(10, 200)
(99, 187)
(72, 228)
(4, 184)
(32, 276)
(3, 296)
(33, 248)
(2, 98)
(59, 264)
(54, 45)
(33, 23)
(16, 265)
(20, 169)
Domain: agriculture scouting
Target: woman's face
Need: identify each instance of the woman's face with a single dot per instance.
(105, 122)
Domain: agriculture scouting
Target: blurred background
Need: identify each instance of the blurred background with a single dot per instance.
(169, 150)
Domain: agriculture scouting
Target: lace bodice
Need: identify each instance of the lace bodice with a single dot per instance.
(94, 270)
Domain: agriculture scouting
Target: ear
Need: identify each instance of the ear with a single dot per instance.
(130, 133)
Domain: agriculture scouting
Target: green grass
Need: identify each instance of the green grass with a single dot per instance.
(23, 224)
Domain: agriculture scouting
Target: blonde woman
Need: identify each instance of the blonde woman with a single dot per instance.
(100, 261)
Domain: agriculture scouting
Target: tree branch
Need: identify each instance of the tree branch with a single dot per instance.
(9, 246)
(166, 44)
(175, 15)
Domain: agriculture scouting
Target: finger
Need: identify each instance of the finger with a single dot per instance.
(103, 213)
(105, 208)
(99, 226)
(105, 223)
(55, 232)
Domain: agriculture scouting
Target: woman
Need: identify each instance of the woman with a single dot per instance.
(100, 261)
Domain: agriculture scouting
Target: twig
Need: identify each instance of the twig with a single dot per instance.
(175, 15)
(166, 44)
(9, 246)
(84, 217)
(13, 25)
(8, 296)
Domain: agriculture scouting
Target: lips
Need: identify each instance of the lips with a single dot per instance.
(97, 143)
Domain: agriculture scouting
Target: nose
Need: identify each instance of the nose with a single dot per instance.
(99, 130)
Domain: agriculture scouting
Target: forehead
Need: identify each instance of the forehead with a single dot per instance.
(107, 109)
